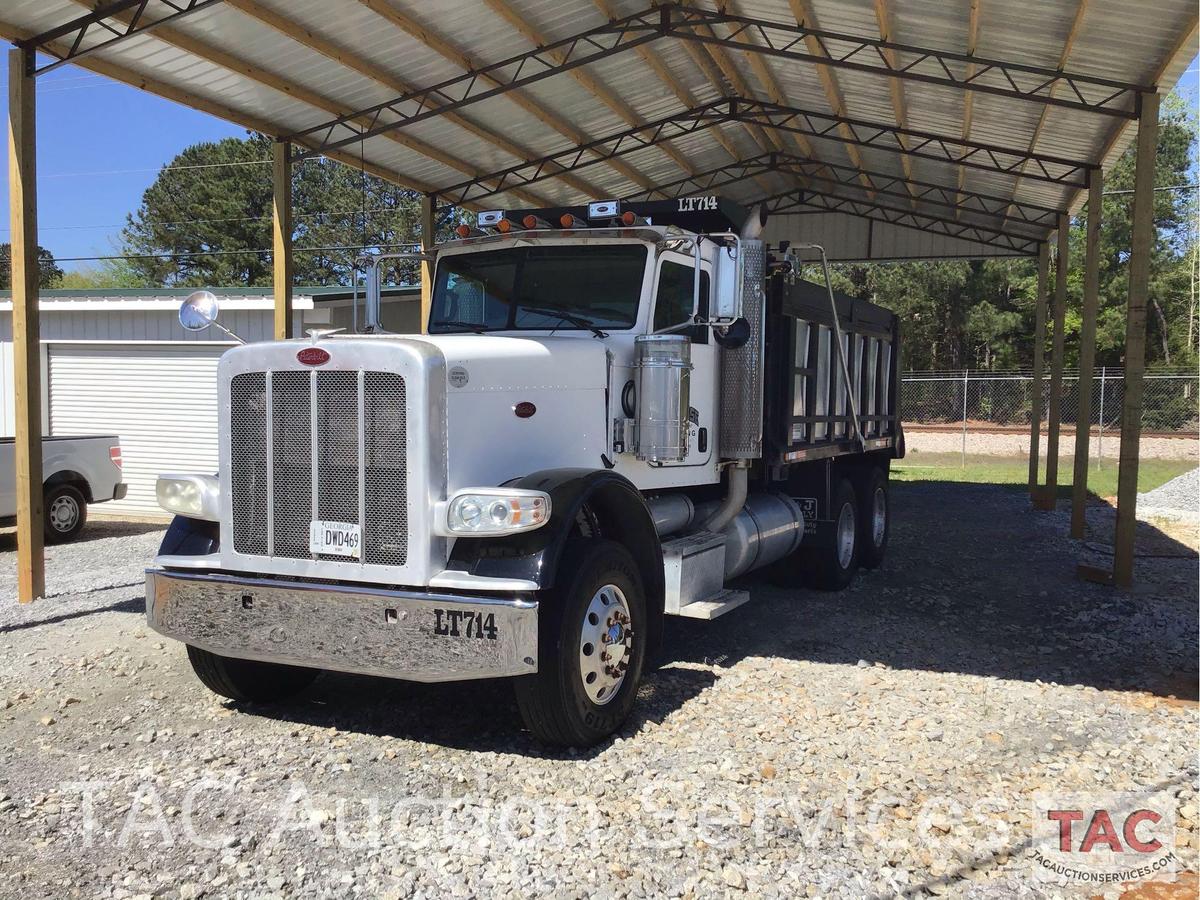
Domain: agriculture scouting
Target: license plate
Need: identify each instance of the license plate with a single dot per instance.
(335, 539)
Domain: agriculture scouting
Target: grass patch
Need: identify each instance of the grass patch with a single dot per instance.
(1014, 470)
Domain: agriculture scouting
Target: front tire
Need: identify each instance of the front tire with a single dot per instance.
(65, 513)
(246, 679)
(592, 633)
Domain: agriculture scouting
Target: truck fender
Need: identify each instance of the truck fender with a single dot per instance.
(190, 537)
(599, 501)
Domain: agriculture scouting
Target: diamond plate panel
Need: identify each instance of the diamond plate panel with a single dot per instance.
(742, 369)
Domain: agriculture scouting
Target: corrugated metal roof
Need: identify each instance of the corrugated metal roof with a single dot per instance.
(286, 66)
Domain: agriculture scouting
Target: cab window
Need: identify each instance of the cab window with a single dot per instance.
(673, 300)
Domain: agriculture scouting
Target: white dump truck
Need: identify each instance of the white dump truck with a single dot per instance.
(616, 412)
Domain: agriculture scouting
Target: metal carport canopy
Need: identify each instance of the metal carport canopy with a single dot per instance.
(884, 129)
(890, 128)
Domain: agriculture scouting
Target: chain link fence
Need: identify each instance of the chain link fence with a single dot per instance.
(976, 402)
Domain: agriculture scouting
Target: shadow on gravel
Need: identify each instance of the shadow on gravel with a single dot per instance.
(133, 605)
(471, 715)
(976, 582)
(95, 530)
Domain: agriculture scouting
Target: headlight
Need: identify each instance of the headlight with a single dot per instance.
(496, 511)
(194, 496)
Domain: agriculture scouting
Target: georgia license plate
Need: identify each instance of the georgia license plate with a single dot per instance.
(335, 538)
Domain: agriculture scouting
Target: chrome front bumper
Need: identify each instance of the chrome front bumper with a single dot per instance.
(396, 634)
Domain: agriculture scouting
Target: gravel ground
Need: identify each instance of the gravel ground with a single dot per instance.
(1179, 497)
(1004, 444)
(885, 741)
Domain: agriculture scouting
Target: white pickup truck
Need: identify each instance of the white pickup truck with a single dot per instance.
(76, 471)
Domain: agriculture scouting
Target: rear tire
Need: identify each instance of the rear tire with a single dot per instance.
(875, 519)
(246, 679)
(65, 512)
(578, 697)
(832, 566)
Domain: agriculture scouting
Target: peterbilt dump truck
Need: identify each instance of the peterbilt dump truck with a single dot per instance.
(613, 414)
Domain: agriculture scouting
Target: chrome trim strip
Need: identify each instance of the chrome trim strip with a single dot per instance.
(314, 441)
(362, 467)
(270, 444)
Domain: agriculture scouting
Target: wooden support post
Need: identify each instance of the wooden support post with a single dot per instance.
(1142, 240)
(428, 239)
(1054, 423)
(281, 237)
(27, 360)
(1039, 347)
(1087, 351)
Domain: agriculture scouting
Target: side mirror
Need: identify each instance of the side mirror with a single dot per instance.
(198, 311)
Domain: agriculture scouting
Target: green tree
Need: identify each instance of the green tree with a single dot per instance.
(47, 268)
(207, 218)
(980, 314)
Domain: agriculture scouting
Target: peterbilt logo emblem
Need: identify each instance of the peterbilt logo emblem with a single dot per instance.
(313, 356)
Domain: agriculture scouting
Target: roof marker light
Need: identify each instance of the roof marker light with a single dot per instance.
(531, 221)
(629, 219)
(570, 221)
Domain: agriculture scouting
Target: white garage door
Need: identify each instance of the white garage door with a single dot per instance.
(161, 400)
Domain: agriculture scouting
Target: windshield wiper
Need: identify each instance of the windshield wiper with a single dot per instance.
(469, 326)
(574, 318)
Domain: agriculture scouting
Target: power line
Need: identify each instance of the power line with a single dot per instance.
(311, 215)
(226, 253)
(251, 162)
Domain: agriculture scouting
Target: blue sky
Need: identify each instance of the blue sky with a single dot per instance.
(100, 145)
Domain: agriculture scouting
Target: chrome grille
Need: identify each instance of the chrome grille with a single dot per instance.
(323, 445)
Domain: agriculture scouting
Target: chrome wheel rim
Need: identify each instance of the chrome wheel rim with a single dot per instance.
(605, 644)
(63, 513)
(879, 517)
(845, 535)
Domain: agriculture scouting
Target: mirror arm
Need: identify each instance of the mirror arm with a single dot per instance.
(232, 334)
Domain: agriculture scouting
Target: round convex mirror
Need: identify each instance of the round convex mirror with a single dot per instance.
(198, 310)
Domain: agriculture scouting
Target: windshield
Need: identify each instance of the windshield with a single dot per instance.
(551, 288)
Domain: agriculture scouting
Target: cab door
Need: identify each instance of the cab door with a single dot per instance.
(674, 294)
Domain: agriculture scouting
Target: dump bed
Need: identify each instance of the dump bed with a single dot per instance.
(808, 414)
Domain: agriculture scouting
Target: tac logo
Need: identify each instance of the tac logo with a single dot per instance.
(1104, 839)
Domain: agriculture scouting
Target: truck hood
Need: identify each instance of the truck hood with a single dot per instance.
(479, 363)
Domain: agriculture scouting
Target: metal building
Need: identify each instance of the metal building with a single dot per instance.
(118, 362)
(892, 128)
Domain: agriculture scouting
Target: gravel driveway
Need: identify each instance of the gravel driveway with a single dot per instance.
(884, 741)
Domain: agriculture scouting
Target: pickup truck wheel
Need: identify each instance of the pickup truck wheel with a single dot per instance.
(65, 512)
(875, 520)
(248, 680)
(591, 644)
(832, 567)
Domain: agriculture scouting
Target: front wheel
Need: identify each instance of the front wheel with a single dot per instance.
(592, 632)
(247, 679)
